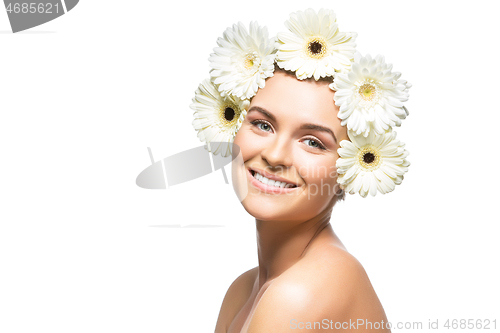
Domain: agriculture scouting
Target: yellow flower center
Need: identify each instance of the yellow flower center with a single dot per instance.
(369, 158)
(229, 114)
(248, 62)
(367, 91)
(316, 47)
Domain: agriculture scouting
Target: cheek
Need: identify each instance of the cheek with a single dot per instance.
(317, 168)
(248, 142)
(241, 141)
(320, 174)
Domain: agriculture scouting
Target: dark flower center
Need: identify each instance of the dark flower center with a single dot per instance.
(229, 114)
(315, 47)
(368, 158)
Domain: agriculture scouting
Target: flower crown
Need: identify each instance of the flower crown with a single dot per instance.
(369, 94)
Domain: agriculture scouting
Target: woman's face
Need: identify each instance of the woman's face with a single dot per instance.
(290, 134)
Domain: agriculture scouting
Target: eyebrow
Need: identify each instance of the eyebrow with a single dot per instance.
(313, 127)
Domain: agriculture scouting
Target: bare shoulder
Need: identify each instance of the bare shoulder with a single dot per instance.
(236, 296)
(327, 286)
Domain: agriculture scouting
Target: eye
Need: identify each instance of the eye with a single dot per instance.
(262, 125)
(313, 143)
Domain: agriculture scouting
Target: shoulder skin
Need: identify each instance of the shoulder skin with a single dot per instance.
(236, 296)
(327, 288)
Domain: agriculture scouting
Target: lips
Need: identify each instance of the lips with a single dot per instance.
(270, 183)
(276, 179)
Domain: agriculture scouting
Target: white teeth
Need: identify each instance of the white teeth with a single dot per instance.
(271, 182)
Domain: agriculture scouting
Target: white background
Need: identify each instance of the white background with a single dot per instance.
(83, 249)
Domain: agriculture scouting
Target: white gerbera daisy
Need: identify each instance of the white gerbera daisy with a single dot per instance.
(370, 96)
(314, 46)
(370, 164)
(242, 61)
(217, 118)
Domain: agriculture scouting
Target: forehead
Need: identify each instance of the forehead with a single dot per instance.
(303, 100)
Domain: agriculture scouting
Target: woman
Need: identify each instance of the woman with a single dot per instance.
(300, 137)
(305, 274)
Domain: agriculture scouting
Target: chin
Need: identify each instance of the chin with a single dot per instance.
(266, 209)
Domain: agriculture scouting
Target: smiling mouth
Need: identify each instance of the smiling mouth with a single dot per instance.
(271, 182)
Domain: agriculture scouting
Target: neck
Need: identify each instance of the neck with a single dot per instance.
(281, 244)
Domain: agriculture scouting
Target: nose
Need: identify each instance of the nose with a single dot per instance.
(278, 152)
